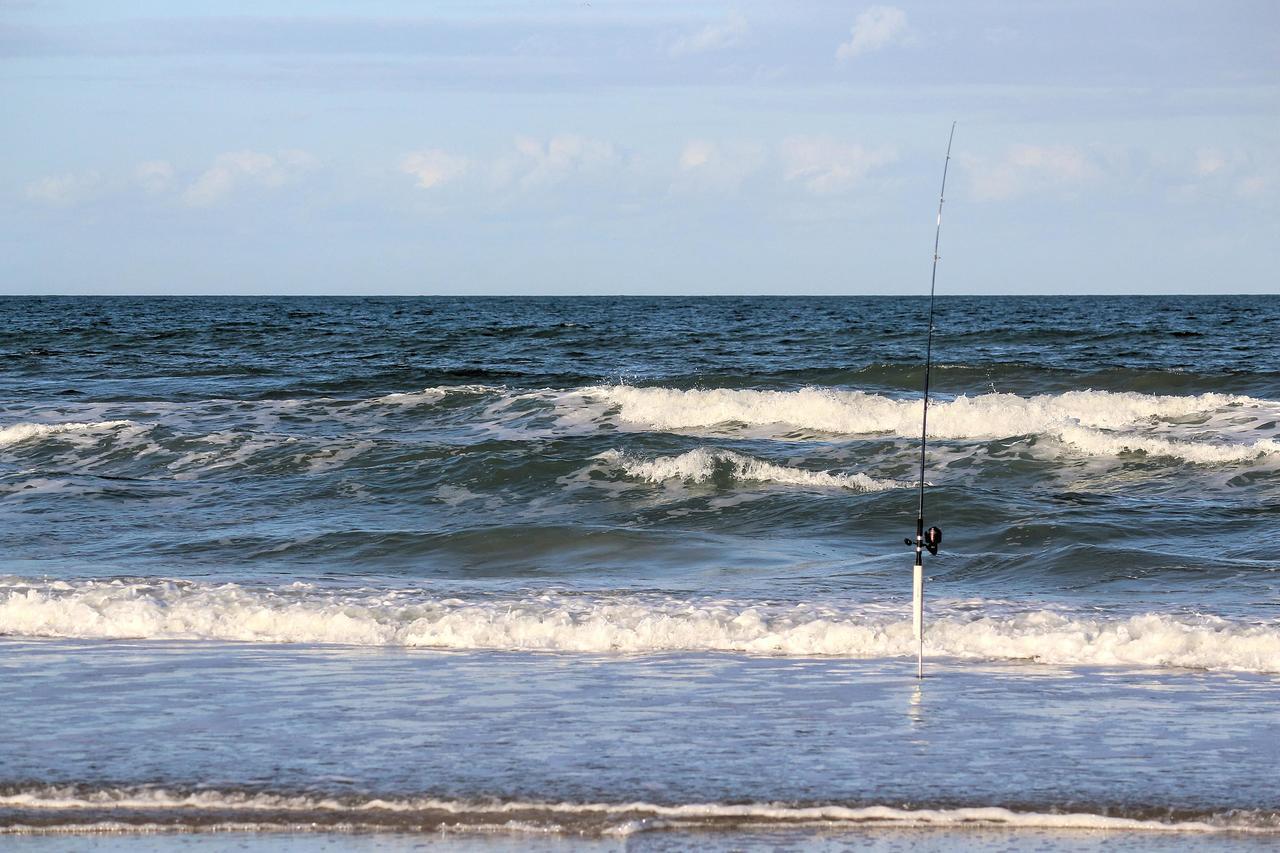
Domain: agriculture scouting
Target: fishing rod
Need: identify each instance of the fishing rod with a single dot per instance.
(932, 538)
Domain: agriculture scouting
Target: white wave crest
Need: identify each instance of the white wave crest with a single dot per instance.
(1101, 443)
(15, 433)
(699, 466)
(623, 623)
(1096, 422)
(433, 394)
(613, 818)
(857, 412)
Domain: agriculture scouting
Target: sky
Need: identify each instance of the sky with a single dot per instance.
(618, 146)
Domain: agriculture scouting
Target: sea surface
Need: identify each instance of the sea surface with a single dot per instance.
(595, 573)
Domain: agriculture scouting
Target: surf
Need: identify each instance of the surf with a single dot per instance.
(628, 623)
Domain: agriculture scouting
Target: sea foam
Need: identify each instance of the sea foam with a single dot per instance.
(1093, 422)
(15, 433)
(625, 623)
(57, 810)
(701, 464)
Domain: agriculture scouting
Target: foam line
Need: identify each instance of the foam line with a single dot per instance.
(604, 818)
(635, 624)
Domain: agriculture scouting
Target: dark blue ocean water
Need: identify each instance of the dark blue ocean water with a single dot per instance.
(411, 563)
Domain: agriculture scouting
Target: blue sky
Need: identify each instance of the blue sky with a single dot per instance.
(638, 147)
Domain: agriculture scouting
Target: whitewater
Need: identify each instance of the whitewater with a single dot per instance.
(597, 624)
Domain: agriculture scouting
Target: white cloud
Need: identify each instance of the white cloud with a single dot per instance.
(1254, 186)
(697, 154)
(873, 29)
(538, 163)
(716, 36)
(1032, 168)
(1236, 171)
(825, 166)
(709, 165)
(65, 189)
(434, 167)
(1209, 161)
(154, 176)
(239, 168)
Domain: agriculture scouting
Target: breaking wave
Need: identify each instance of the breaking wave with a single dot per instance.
(702, 464)
(1202, 429)
(16, 433)
(435, 394)
(625, 623)
(1198, 428)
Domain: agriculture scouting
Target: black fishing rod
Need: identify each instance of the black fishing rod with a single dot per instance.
(927, 539)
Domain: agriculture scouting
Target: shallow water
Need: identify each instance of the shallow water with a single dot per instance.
(566, 556)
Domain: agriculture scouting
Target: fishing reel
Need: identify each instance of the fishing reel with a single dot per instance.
(931, 539)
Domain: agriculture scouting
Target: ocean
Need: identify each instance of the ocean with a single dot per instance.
(628, 573)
